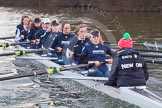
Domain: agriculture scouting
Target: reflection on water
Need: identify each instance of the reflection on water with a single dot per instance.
(142, 26)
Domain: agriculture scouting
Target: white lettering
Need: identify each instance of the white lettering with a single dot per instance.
(127, 56)
(98, 52)
(65, 42)
(130, 65)
(126, 66)
(138, 64)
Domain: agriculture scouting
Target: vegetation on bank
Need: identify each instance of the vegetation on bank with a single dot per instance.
(109, 5)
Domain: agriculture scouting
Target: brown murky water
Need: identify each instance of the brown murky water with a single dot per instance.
(26, 93)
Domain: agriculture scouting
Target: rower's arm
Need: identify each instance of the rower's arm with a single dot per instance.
(112, 81)
(17, 36)
(112, 53)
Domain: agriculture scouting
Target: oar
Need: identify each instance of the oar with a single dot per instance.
(42, 72)
(23, 52)
(155, 45)
(154, 61)
(9, 37)
(151, 55)
(159, 51)
(144, 50)
(115, 42)
(4, 45)
(37, 58)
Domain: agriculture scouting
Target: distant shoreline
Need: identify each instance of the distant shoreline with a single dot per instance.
(107, 5)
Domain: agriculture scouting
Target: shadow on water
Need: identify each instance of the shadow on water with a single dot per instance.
(142, 26)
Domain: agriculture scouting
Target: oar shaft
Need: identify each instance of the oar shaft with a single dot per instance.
(20, 43)
(75, 66)
(146, 44)
(7, 54)
(151, 55)
(36, 50)
(41, 72)
(9, 37)
(144, 50)
(37, 58)
(4, 45)
(159, 51)
(25, 75)
(154, 61)
(26, 51)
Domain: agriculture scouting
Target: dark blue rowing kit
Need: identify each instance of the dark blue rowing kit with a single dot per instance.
(97, 52)
(128, 69)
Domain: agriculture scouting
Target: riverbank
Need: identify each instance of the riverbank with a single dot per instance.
(108, 5)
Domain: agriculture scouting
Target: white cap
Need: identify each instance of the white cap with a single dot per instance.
(46, 20)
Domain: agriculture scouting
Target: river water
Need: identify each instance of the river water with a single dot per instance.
(142, 26)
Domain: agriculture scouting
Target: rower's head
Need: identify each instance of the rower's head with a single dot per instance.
(125, 42)
(30, 24)
(81, 31)
(37, 22)
(25, 20)
(46, 23)
(66, 28)
(55, 25)
(96, 37)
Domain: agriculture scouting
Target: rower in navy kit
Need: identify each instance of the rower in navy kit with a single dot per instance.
(128, 67)
(77, 43)
(22, 30)
(39, 35)
(51, 35)
(48, 41)
(61, 42)
(31, 35)
(95, 53)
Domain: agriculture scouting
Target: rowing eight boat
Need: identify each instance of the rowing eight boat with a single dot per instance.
(139, 96)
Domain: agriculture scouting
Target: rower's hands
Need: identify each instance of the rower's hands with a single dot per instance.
(97, 63)
(32, 42)
(71, 54)
(37, 41)
(59, 49)
(22, 36)
(109, 61)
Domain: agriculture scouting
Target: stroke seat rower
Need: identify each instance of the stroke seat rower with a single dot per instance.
(95, 53)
